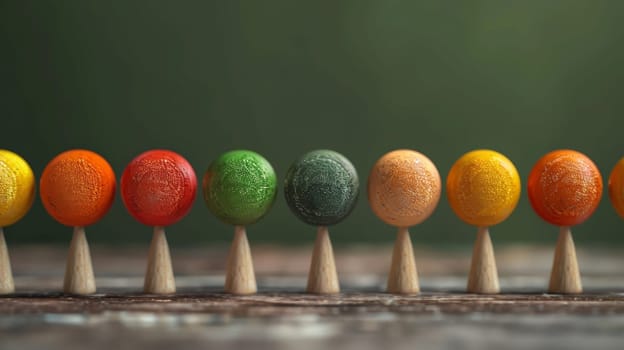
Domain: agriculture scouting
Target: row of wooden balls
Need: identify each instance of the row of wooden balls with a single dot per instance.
(158, 188)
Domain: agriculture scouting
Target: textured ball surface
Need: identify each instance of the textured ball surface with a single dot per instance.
(240, 187)
(616, 187)
(158, 187)
(483, 187)
(565, 187)
(321, 187)
(17, 188)
(404, 188)
(77, 187)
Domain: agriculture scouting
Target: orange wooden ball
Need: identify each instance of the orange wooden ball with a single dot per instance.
(565, 187)
(616, 187)
(404, 188)
(77, 187)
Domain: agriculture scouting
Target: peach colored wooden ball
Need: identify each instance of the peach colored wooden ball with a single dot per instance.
(404, 188)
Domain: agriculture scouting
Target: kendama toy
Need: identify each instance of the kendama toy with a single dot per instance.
(158, 188)
(17, 192)
(403, 191)
(483, 189)
(565, 188)
(77, 189)
(321, 189)
(239, 189)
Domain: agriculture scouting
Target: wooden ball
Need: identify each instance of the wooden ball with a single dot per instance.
(240, 187)
(77, 187)
(616, 187)
(565, 187)
(158, 187)
(321, 187)
(483, 188)
(404, 188)
(17, 188)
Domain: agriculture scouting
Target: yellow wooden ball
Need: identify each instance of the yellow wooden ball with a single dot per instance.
(17, 187)
(483, 188)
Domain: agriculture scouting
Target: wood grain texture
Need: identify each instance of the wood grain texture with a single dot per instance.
(159, 278)
(6, 275)
(565, 277)
(403, 277)
(240, 277)
(323, 278)
(79, 270)
(283, 315)
(483, 277)
(277, 304)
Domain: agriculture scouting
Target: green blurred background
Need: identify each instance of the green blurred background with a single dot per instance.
(286, 77)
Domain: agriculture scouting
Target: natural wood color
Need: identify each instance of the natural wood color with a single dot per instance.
(79, 270)
(323, 278)
(403, 277)
(483, 277)
(565, 277)
(240, 277)
(6, 276)
(106, 309)
(159, 278)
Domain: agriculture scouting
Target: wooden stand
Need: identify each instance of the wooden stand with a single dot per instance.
(483, 277)
(565, 277)
(403, 277)
(159, 277)
(323, 278)
(79, 271)
(240, 278)
(6, 276)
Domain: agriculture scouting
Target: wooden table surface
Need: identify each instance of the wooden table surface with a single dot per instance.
(282, 316)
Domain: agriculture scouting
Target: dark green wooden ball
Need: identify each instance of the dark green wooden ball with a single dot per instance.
(240, 187)
(321, 187)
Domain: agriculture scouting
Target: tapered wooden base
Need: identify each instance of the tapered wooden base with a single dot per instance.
(403, 277)
(159, 278)
(79, 270)
(240, 278)
(323, 278)
(483, 277)
(6, 275)
(565, 277)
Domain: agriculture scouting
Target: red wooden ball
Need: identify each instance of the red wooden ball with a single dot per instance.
(158, 187)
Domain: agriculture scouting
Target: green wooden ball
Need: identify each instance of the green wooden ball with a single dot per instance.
(321, 187)
(240, 187)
